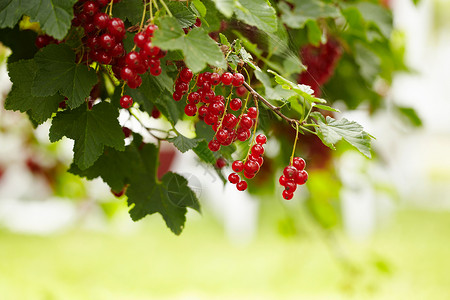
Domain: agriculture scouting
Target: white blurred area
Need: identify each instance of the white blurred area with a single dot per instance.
(413, 162)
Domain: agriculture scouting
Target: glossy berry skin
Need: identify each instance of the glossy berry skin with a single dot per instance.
(230, 121)
(127, 74)
(299, 163)
(243, 135)
(290, 186)
(156, 71)
(235, 104)
(140, 39)
(107, 41)
(214, 79)
(290, 172)
(222, 135)
(117, 28)
(101, 20)
(90, 8)
(194, 98)
(282, 180)
(257, 150)
(252, 112)
(241, 185)
(233, 178)
(177, 96)
(226, 78)
(301, 177)
(238, 79)
(186, 75)
(126, 101)
(251, 167)
(261, 139)
(214, 145)
(237, 166)
(135, 82)
(246, 122)
(190, 110)
(287, 195)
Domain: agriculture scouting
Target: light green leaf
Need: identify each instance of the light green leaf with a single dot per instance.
(369, 63)
(258, 13)
(57, 71)
(332, 131)
(327, 108)
(20, 97)
(226, 7)
(90, 129)
(306, 10)
(314, 32)
(183, 15)
(201, 8)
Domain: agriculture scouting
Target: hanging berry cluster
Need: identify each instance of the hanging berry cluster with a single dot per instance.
(293, 175)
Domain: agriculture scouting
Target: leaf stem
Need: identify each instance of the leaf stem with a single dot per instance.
(295, 144)
(166, 7)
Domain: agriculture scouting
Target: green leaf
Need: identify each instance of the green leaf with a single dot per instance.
(314, 32)
(369, 63)
(306, 10)
(332, 131)
(136, 167)
(57, 71)
(304, 91)
(21, 43)
(377, 16)
(198, 48)
(409, 115)
(54, 16)
(226, 7)
(327, 108)
(20, 97)
(204, 153)
(183, 143)
(183, 15)
(201, 8)
(224, 40)
(90, 129)
(258, 13)
(129, 9)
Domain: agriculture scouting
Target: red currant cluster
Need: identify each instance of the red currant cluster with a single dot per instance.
(293, 175)
(213, 108)
(250, 166)
(321, 62)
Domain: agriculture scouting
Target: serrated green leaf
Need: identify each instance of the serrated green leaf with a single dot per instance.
(169, 36)
(304, 91)
(258, 13)
(204, 153)
(129, 9)
(136, 167)
(90, 129)
(226, 7)
(183, 143)
(332, 131)
(57, 71)
(20, 97)
(224, 40)
(327, 108)
(54, 16)
(306, 10)
(201, 8)
(183, 15)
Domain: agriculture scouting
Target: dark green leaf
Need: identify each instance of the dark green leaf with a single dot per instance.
(129, 9)
(20, 97)
(57, 71)
(90, 129)
(204, 153)
(183, 143)
(183, 15)
(21, 43)
(332, 131)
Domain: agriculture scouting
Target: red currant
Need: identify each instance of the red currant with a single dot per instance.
(241, 185)
(233, 178)
(257, 150)
(194, 98)
(287, 195)
(298, 163)
(237, 166)
(227, 78)
(238, 79)
(290, 172)
(282, 180)
(261, 139)
(235, 104)
(117, 28)
(290, 186)
(214, 145)
(252, 112)
(126, 101)
(301, 177)
(251, 167)
(186, 75)
(190, 109)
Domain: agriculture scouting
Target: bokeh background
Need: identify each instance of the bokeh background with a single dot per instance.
(62, 237)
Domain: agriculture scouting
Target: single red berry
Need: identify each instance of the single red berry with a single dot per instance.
(104, 58)
(127, 73)
(101, 20)
(214, 145)
(237, 166)
(238, 79)
(227, 78)
(301, 177)
(219, 98)
(102, 3)
(282, 180)
(208, 96)
(261, 139)
(154, 63)
(186, 75)
(290, 172)
(252, 112)
(117, 28)
(156, 113)
(249, 175)
(150, 29)
(235, 104)
(298, 163)
(246, 122)
(216, 108)
(221, 162)
(222, 135)
(198, 22)
(107, 41)
(214, 79)
(290, 186)
(126, 101)
(190, 109)
(251, 167)
(140, 39)
(90, 8)
(241, 185)
(135, 82)
(194, 98)
(181, 87)
(240, 91)
(230, 121)
(257, 150)
(42, 41)
(287, 195)
(155, 71)
(211, 119)
(243, 135)
(233, 178)
(177, 96)
(202, 111)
